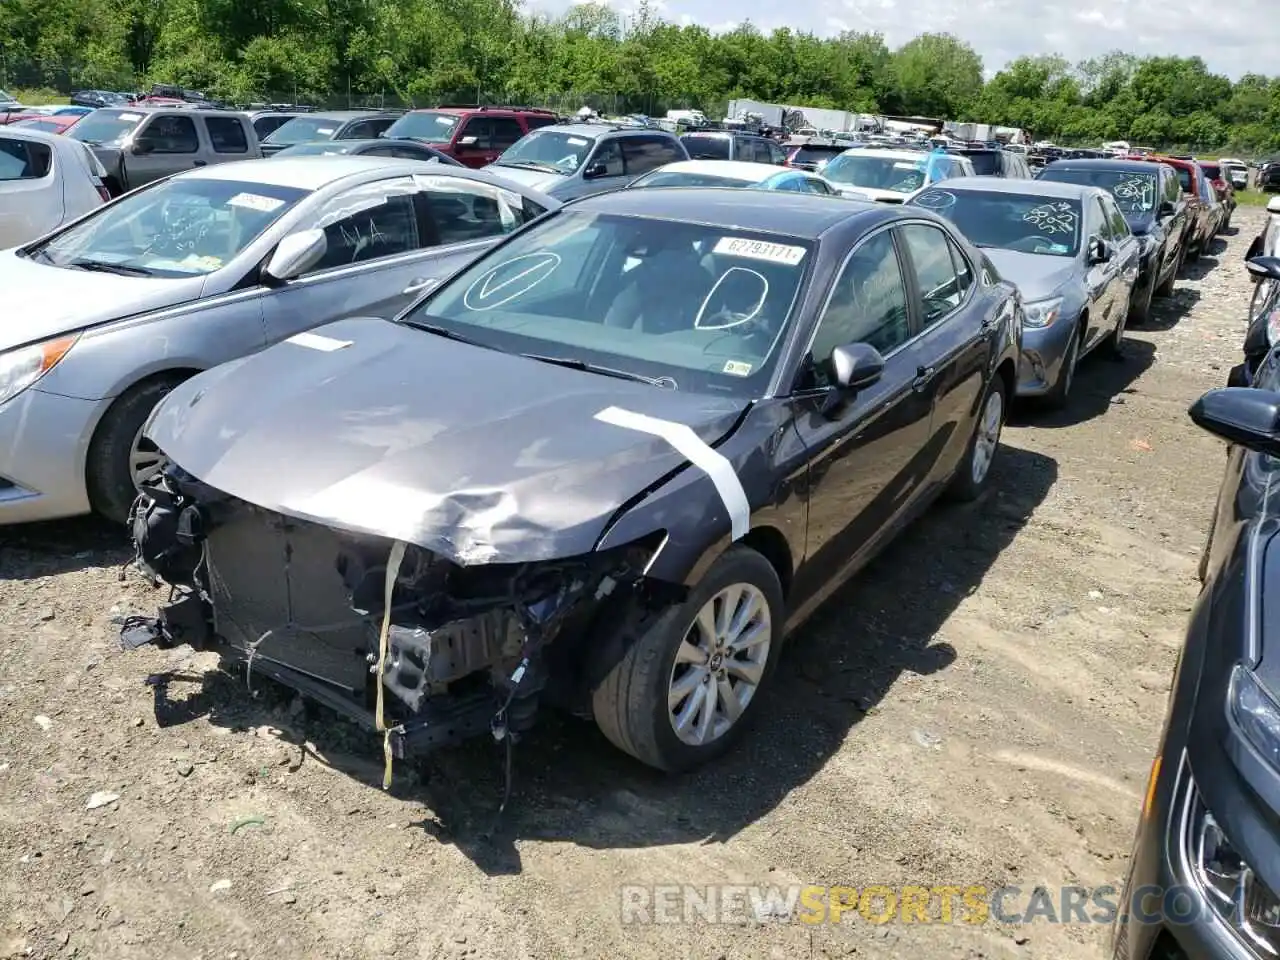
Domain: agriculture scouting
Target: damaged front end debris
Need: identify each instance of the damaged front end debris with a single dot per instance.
(424, 650)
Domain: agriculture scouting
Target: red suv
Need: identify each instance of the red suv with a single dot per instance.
(474, 136)
(1200, 225)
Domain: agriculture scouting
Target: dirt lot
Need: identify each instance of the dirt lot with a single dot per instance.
(979, 708)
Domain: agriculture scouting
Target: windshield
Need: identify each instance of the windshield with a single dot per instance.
(177, 228)
(550, 150)
(425, 125)
(303, 129)
(877, 172)
(702, 306)
(105, 126)
(706, 148)
(1009, 221)
(678, 178)
(1134, 192)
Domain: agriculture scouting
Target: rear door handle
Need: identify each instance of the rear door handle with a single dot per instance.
(199, 163)
(417, 285)
(924, 377)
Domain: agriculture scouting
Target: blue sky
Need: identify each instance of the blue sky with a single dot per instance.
(1234, 37)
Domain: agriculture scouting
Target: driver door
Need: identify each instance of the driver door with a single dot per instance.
(868, 457)
(1100, 278)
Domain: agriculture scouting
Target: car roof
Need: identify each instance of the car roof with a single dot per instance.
(315, 172)
(1020, 187)
(910, 155)
(1133, 166)
(184, 108)
(337, 114)
(801, 215)
(739, 169)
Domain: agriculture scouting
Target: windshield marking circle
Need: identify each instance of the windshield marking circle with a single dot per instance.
(738, 320)
(689, 445)
(936, 200)
(543, 265)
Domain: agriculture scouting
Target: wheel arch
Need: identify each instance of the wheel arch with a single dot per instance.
(175, 374)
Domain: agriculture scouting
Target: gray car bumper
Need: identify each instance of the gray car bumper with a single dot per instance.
(43, 442)
(1042, 352)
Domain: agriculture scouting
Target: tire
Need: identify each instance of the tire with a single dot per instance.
(973, 473)
(1166, 287)
(1113, 346)
(1140, 310)
(108, 475)
(1058, 397)
(630, 704)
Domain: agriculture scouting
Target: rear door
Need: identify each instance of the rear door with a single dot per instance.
(388, 242)
(1101, 277)
(955, 343)
(227, 138)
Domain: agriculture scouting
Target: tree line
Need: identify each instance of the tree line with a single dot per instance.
(423, 52)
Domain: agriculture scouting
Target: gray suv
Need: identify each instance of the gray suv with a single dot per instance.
(727, 145)
(572, 160)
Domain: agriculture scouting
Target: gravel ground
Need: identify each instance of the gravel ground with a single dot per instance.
(980, 707)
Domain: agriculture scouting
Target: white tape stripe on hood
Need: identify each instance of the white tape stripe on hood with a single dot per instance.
(687, 443)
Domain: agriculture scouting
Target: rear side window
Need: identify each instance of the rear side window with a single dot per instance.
(24, 160)
(227, 135)
(460, 211)
(986, 164)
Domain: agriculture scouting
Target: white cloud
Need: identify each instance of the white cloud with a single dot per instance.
(1234, 38)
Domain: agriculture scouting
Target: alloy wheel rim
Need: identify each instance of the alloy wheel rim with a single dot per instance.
(145, 460)
(719, 665)
(988, 437)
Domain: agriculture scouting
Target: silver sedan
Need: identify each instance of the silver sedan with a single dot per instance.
(105, 316)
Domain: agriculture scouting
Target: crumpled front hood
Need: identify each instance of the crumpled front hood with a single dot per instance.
(477, 455)
(1037, 275)
(533, 179)
(40, 301)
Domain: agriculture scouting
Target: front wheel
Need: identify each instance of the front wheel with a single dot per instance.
(121, 459)
(1057, 398)
(687, 687)
(971, 477)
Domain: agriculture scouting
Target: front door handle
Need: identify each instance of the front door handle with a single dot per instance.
(417, 285)
(924, 377)
(199, 163)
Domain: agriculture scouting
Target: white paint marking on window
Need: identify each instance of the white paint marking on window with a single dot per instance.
(689, 445)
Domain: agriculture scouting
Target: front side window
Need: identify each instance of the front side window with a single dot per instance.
(24, 160)
(608, 159)
(227, 135)
(368, 222)
(1119, 225)
(939, 288)
(427, 125)
(171, 134)
(176, 228)
(703, 306)
(1009, 221)
(868, 304)
(553, 151)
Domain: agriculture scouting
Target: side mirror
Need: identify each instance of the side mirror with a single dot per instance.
(143, 146)
(857, 365)
(1273, 205)
(594, 170)
(467, 141)
(1167, 209)
(1263, 268)
(1242, 415)
(295, 255)
(1099, 251)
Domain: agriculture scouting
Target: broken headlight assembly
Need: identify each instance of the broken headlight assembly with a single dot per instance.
(1229, 884)
(424, 650)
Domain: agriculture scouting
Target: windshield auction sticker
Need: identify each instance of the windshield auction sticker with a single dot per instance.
(760, 250)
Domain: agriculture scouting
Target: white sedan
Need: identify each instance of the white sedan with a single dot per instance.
(45, 181)
(734, 173)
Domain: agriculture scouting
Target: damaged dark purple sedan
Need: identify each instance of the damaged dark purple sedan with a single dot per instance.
(607, 467)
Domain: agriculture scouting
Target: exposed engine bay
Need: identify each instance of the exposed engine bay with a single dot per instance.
(424, 650)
